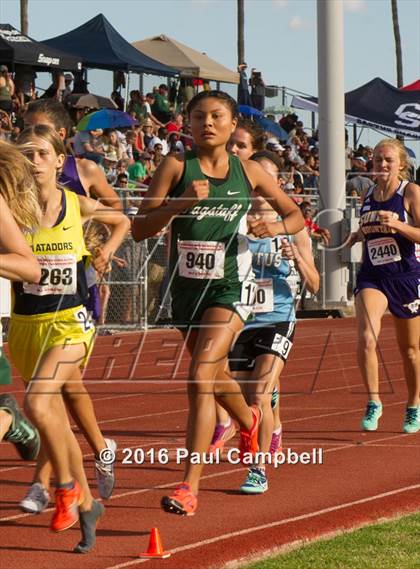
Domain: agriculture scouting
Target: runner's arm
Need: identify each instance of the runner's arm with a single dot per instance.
(304, 260)
(263, 184)
(117, 222)
(412, 203)
(156, 209)
(17, 263)
(93, 179)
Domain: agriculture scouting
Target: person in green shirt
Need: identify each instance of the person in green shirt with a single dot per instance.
(160, 107)
(137, 171)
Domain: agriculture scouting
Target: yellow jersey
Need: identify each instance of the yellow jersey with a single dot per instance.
(62, 254)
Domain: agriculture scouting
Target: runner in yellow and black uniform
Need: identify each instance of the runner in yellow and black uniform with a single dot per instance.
(51, 335)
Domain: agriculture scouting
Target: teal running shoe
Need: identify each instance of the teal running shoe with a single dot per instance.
(275, 396)
(255, 483)
(412, 420)
(372, 416)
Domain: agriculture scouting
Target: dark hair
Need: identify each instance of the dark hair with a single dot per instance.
(267, 155)
(226, 99)
(151, 95)
(54, 110)
(255, 131)
(122, 175)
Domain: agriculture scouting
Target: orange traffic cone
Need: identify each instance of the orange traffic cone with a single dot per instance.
(155, 548)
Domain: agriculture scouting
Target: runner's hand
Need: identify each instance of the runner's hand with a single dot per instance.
(288, 250)
(261, 228)
(102, 261)
(389, 219)
(197, 191)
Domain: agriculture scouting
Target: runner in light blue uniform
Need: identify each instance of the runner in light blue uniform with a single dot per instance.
(264, 345)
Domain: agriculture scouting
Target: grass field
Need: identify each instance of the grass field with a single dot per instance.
(389, 545)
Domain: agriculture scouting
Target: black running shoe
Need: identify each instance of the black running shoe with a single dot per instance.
(22, 433)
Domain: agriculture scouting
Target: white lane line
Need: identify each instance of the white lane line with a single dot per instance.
(230, 535)
(205, 477)
(175, 411)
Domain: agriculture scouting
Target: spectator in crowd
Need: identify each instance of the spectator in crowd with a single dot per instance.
(135, 106)
(25, 84)
(288, 122)
(147, 128)
(148, 103)
(130, 145)
(243, 90)
(7, 90)
(118, 100)
(161, 139)
(160, 107)
(88, 145)
(137, 171)
(112, 145)
(314, 230)
(176, 123)
(122, 167)
(175, 145)
(273, 145)
(109, 166)
(68, 80)
(6, 126)
(157, 156)
(257, 90)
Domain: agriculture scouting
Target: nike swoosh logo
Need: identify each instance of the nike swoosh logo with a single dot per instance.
(69, 227)
(229, 193)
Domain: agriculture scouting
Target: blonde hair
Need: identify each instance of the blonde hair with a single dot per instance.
(404, 173)
(96, 234)
(18, 188)
(44, 132)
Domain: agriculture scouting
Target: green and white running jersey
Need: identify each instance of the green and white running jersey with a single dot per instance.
(208, 241)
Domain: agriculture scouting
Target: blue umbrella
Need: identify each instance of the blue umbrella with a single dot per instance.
(274, 128)
(248, 111)
(105, 118)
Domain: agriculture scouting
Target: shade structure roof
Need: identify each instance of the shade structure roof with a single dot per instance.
(415, 86)
(17, 48)
(100, 46)
(188, 61)
(377, 104)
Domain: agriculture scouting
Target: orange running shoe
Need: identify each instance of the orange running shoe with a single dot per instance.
(66, 507)
(221, 435)
(249, 439)
(182, 502)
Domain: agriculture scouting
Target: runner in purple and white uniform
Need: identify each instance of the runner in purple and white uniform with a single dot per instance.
(390, 277)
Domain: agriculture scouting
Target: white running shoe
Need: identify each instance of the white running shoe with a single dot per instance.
(105, 475)
(36, 500)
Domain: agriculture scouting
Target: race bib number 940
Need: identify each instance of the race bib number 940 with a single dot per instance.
(58, 276)
(383, 250)
(201, 259)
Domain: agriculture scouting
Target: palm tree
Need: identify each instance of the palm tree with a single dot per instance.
(397, 36)
(241, 34)
(24, 27)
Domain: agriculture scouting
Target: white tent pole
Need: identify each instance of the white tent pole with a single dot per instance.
(127, 90)
(332, 140)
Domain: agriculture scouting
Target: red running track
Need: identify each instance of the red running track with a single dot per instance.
(137, 382)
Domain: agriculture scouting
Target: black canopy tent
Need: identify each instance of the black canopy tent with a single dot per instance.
(100, 46)
(18, 49)
(379, 105)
